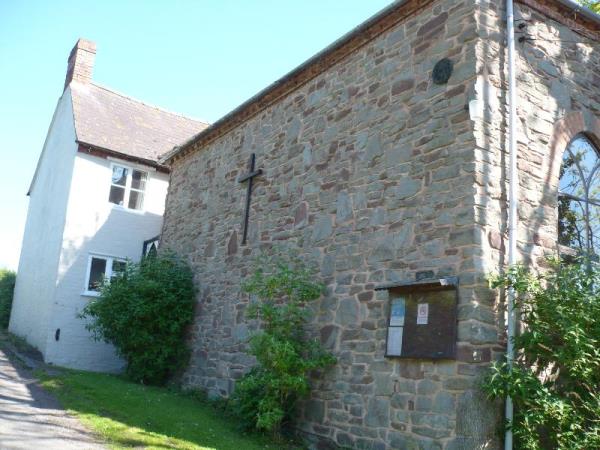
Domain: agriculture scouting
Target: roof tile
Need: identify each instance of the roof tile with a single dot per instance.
(113, 121)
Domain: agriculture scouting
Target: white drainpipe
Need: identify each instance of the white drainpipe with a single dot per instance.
(513, 198)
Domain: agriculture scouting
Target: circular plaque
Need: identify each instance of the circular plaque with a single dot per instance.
(442, 71)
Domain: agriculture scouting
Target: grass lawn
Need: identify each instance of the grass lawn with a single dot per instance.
(129, 415)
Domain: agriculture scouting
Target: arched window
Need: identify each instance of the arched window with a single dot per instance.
(579, 198)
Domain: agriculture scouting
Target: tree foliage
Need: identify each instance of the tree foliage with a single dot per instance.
(267, 396)
(144, 312)
(570, 231)
(555, 380)
(7, 287)
(594, 5)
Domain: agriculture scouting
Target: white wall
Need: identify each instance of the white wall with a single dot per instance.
(70, 217)
(42, 239)
(93, 225)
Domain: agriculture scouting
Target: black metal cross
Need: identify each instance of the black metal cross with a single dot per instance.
(248, 177)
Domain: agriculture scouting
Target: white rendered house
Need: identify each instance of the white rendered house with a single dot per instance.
(96, 200)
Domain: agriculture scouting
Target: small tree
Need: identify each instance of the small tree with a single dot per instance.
(143, 313)
(555, 380)
(7, 287)
(280, 289)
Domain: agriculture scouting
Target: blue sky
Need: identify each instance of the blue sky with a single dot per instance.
(201, 58)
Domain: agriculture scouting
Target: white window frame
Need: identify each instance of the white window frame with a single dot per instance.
(108, 272)
(127, 187)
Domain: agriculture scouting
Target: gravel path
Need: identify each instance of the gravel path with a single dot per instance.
(31, 418)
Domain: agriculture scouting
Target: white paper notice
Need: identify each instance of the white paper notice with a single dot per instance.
(394, 342)
(422, 313)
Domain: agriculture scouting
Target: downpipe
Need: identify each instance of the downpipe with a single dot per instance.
(512, 206)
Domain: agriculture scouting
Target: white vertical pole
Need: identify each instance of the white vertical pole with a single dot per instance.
(512, 206)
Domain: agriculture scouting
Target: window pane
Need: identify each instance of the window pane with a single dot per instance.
(117, 194)
(152, 250)
(138, 180)
(571, 223)
(136, 200)
(594, 230)
(119, 175)
(118, 267)
(584, 154)
(570, 177)
(97, 271)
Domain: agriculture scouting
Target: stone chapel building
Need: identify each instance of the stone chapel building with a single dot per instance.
(391, 177)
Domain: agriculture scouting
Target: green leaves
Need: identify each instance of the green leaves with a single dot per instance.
(7, 286)
(594, 5)
(267, 396)
(143, 313)
(555, 379)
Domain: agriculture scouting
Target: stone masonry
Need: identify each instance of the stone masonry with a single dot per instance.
(376, 175)
(559, 97)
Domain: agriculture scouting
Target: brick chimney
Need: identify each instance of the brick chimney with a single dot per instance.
(81, 62)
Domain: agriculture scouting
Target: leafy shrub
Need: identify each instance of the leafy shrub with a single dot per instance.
(7, 286)
(555, 380)
(143, 312)
(266, 397)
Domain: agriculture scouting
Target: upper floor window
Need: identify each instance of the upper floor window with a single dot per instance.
(579, 198)
(127, 187)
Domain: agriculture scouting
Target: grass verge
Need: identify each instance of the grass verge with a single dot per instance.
(129, 415)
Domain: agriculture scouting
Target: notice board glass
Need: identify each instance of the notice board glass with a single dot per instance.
(423, 319)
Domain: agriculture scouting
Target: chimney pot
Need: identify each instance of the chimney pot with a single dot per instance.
(81, 62)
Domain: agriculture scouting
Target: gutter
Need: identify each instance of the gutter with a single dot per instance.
(87, 148)
(580, 9)
(513, 195)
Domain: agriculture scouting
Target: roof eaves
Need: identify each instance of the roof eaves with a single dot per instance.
(261, 100)
(148, 162)
(586, 12)
(578, 18)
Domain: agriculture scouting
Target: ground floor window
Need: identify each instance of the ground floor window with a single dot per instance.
(101, 268)
(150, 247)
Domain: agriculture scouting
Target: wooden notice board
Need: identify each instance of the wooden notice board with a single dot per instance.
(422, 319)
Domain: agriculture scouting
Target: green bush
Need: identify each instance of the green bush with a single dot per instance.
(144, 312)
(7, 287)
(555, 380)
(267, 396)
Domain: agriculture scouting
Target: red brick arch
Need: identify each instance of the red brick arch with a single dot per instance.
(565, 130)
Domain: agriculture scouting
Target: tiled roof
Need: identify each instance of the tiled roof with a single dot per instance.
(115, 122)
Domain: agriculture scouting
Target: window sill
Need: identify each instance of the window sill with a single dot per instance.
(90, 294)
(125, 209)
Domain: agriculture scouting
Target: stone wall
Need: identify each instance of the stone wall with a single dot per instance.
(558, 97)
(373, 172)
